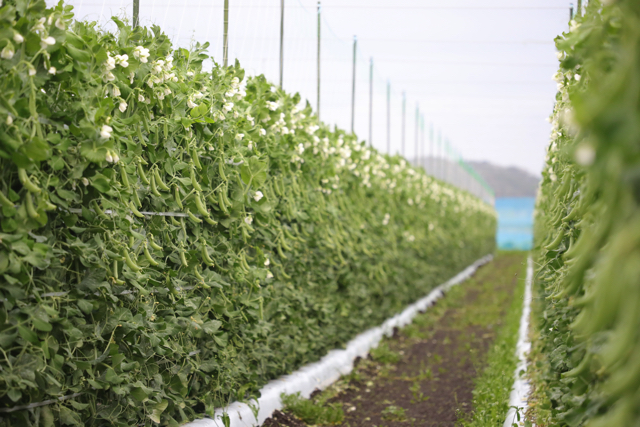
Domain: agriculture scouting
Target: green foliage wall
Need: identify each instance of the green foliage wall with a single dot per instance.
(588, 223)
(173, 238)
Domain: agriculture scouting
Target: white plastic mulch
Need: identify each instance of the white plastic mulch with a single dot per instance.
(521, 387)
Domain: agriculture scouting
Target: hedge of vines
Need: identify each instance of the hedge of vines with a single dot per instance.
(173, 238)
(588, 223)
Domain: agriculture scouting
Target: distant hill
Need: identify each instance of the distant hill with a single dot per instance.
(507, 181)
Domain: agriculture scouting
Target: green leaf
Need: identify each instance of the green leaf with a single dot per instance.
(157, 410)
(101, 183)
(69, 417)
(138, 394)
(28, 335)
(41, 325)
(37, 149)
(93, 154)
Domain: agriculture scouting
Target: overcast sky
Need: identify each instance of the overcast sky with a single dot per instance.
(481, 74)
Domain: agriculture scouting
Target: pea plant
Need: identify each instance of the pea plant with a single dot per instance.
(588, 223)
(172, 238)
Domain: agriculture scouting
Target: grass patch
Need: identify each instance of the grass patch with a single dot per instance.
(312, 412)
(383, 354)
(493, 386)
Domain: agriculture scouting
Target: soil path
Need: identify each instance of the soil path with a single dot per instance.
(424, 375)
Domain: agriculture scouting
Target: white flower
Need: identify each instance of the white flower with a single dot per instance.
(248, 220)
(8, 52)
(17, 37)
(257, 196)
(49, 41)
(235, 82)
(105, 131)
(241, 94)
(250, 145)
(269, 275)
(108, 158)
(60, 24)
(250, 119)
(267, 262)
(32, 71)
(122, 60)
(236, 114)
(228, 106)
(131, 76)
(189, 73)
(239, 136)
(39, 25)
(9, 120)
(85, 181)
(123, 106)
(191, 104)
(262, 132)
(300, 148)
(386, 219)
(577, 77)
(560, 55)
(52, 70)
(167, 91)
(116, 158)
(110, 63)
(585, 154)
(141, 53)
(273, 106)
(230, 93)
(198, 95)
(140, 97)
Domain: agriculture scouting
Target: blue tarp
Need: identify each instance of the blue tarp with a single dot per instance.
(515, 222)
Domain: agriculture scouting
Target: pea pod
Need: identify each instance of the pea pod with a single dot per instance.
(140, 137)
(285, 245)
(194, 180)
(205, 256)
(149, 258)
(125, 177)
(154, 189)
(135, 210)
(127, 259)
(165, 128)
(31, 210)
(201, 208)
(243, 260)
(174, 222)
(143, 176)
(221, 170)
(27, 183)
(4, 200)
(153, 243)
(210, 220)
(159, 181)
(194, 157)
(136, 199)
(176, 196)
(280, 251)
(221, 203)
(99, 211)
(193, 218)
(183, 258)
(198, 275)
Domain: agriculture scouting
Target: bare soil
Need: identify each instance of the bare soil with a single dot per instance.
(424, 375)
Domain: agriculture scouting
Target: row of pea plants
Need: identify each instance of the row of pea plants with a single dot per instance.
(588, 226)
(173, 238)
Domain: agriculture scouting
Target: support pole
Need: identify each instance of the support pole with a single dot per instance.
(579, 8)
(318, 106)
(422, 143)
(404, 121)
(417, 134)
(353, 86)
(388, 117)
(571, 12)
(432, 158)
(225, 38)
(439, 156)
(281, 41)
(371, 103)
(136, 13)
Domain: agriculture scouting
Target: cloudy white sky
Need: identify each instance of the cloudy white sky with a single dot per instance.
(479, 71)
